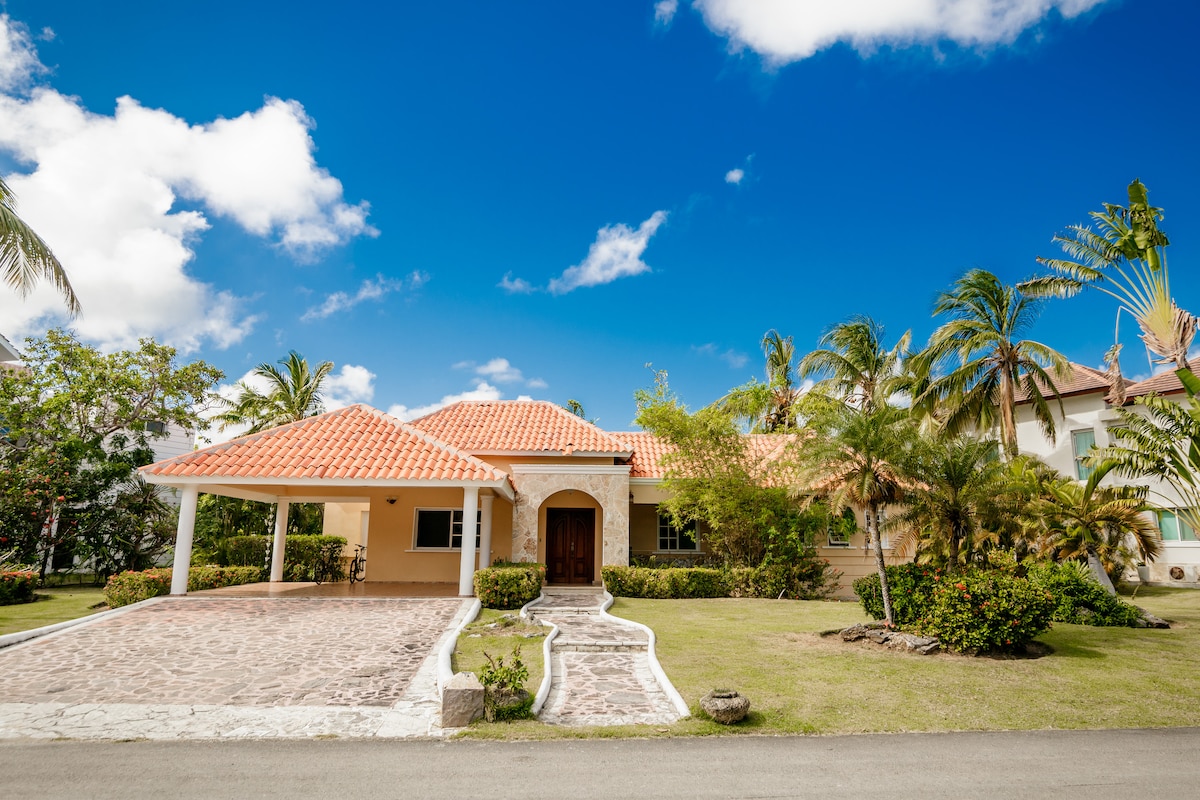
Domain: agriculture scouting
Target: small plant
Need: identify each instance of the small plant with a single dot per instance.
(504, 694)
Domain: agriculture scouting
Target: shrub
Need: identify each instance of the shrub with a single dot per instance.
(133, 587)
(1079, 599)
(509, 585)
(910, 586)
(505, 697)
(987, 611)
(302, 556)
(16, 586)
(672, 583)
(808, 580)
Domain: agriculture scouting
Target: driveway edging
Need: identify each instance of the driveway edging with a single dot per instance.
(9, 639)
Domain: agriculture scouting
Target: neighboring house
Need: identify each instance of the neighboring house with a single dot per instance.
(1088, 419)
(461, 488)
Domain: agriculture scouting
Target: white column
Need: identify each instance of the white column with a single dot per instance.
(183, 539)
(281, 520)
(466, 565)
(485, 531)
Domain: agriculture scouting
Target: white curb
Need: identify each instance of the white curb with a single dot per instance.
(655, 667)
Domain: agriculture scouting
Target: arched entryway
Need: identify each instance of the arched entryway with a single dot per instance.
(571, 545)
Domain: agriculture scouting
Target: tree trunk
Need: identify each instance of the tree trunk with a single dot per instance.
(1008, 416)
(874, 537)
(1099, 572)
(954, 547)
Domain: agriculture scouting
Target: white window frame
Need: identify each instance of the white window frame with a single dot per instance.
(456, 526)
(678, 534)
(1082, 471)
(1179, 522)
(880, 521)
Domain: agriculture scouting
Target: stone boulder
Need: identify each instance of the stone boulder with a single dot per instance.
(462, 700)
(725, 706)
(896, 640)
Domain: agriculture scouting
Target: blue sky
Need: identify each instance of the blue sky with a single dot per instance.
(538, 199)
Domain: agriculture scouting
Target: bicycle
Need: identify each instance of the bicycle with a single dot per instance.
(358, 564)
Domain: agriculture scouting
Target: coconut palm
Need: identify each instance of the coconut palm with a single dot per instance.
(293, 393)
(25, 258)
(1125, 257)
(852, 457)
(955, 484)
(1093, 523)
(994, 367)
(855, 364)
(768, 407)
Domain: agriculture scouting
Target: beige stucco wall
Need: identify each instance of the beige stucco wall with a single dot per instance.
(606, 486)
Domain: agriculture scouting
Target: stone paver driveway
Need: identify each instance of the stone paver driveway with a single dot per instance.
(233, 666)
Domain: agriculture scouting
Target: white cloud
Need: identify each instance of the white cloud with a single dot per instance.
(349, 385)
(500, 370)
(515, 285)
(664, 11)
(616, 253)
(537, 383)
(103, 191)
(731, 357)
(482, 391)
(782, 31)
(369, 290)
(735, 176)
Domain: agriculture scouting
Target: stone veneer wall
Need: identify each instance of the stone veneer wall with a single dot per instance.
(610, 489)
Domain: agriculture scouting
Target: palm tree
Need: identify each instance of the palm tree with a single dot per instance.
(293, 394)
(955, 482)
(1093, 523)
(25, 257)
(857, 367)
(1126, 259)
(768, 407)
(994, 366)
(853, 459)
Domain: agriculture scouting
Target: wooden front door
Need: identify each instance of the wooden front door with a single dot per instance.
(571, 545)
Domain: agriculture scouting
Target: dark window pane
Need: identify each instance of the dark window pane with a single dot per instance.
(433, 528)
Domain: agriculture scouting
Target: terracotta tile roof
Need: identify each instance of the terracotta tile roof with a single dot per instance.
(648, 451)
(1082, 380)
(1163, 383)
(353, 443)
(518, 426)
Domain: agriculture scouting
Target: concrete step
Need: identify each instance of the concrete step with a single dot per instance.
(592, 646)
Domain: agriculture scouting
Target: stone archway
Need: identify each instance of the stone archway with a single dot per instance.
(607, 485)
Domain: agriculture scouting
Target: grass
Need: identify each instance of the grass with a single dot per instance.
(55, 604)
(477, 639)
(802, 683)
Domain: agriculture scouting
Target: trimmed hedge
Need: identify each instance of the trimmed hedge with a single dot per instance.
(17, 587)
(1080, 599)
(509, 585)
(302, 554)
(808, 581)
(133, 587)
(911, 589)
(988, 611)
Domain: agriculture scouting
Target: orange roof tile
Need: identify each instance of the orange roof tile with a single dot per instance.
(1162, 383)
(1080, 381)
(518, 426)
(648, 450)
(353, 443)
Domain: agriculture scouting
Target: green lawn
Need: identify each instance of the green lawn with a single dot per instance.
(477, 639)
(801, 682)
(53, 605)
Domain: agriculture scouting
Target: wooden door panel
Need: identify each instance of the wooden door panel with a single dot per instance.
(570, 545)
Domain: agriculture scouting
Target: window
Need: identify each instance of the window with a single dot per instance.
(1174, 528)
(880, 521)
(441, 529)
(1081, 443)
(673, 538)
(839, 530)
(155, 427)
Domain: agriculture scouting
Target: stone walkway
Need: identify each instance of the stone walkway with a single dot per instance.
(600, 669)
(197, 667)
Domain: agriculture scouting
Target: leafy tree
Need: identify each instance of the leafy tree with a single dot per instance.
(293, 393)
(715, 474)
(954, 483)
(854, 364)
(1093, 523)
(1125, 258)
(25, 258)
(994, 367)
(75, 425)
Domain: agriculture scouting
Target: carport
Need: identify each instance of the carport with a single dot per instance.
(355, 454)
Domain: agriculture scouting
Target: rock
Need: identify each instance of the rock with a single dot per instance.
(854, 633)
(725, 706)
(896, 640)
(462, 700)
(1152, 621)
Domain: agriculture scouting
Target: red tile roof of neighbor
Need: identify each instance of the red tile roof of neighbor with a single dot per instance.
(1080, 381)
(648, 451)
(352, 443)
(518, 426)
(1163, 383)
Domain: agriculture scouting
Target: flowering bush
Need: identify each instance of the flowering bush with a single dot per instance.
(16, 586)
(133, 587)
(509, 585)
(987, 611)
(910, 586)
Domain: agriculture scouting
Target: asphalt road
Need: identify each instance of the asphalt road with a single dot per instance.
(1059, 764)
